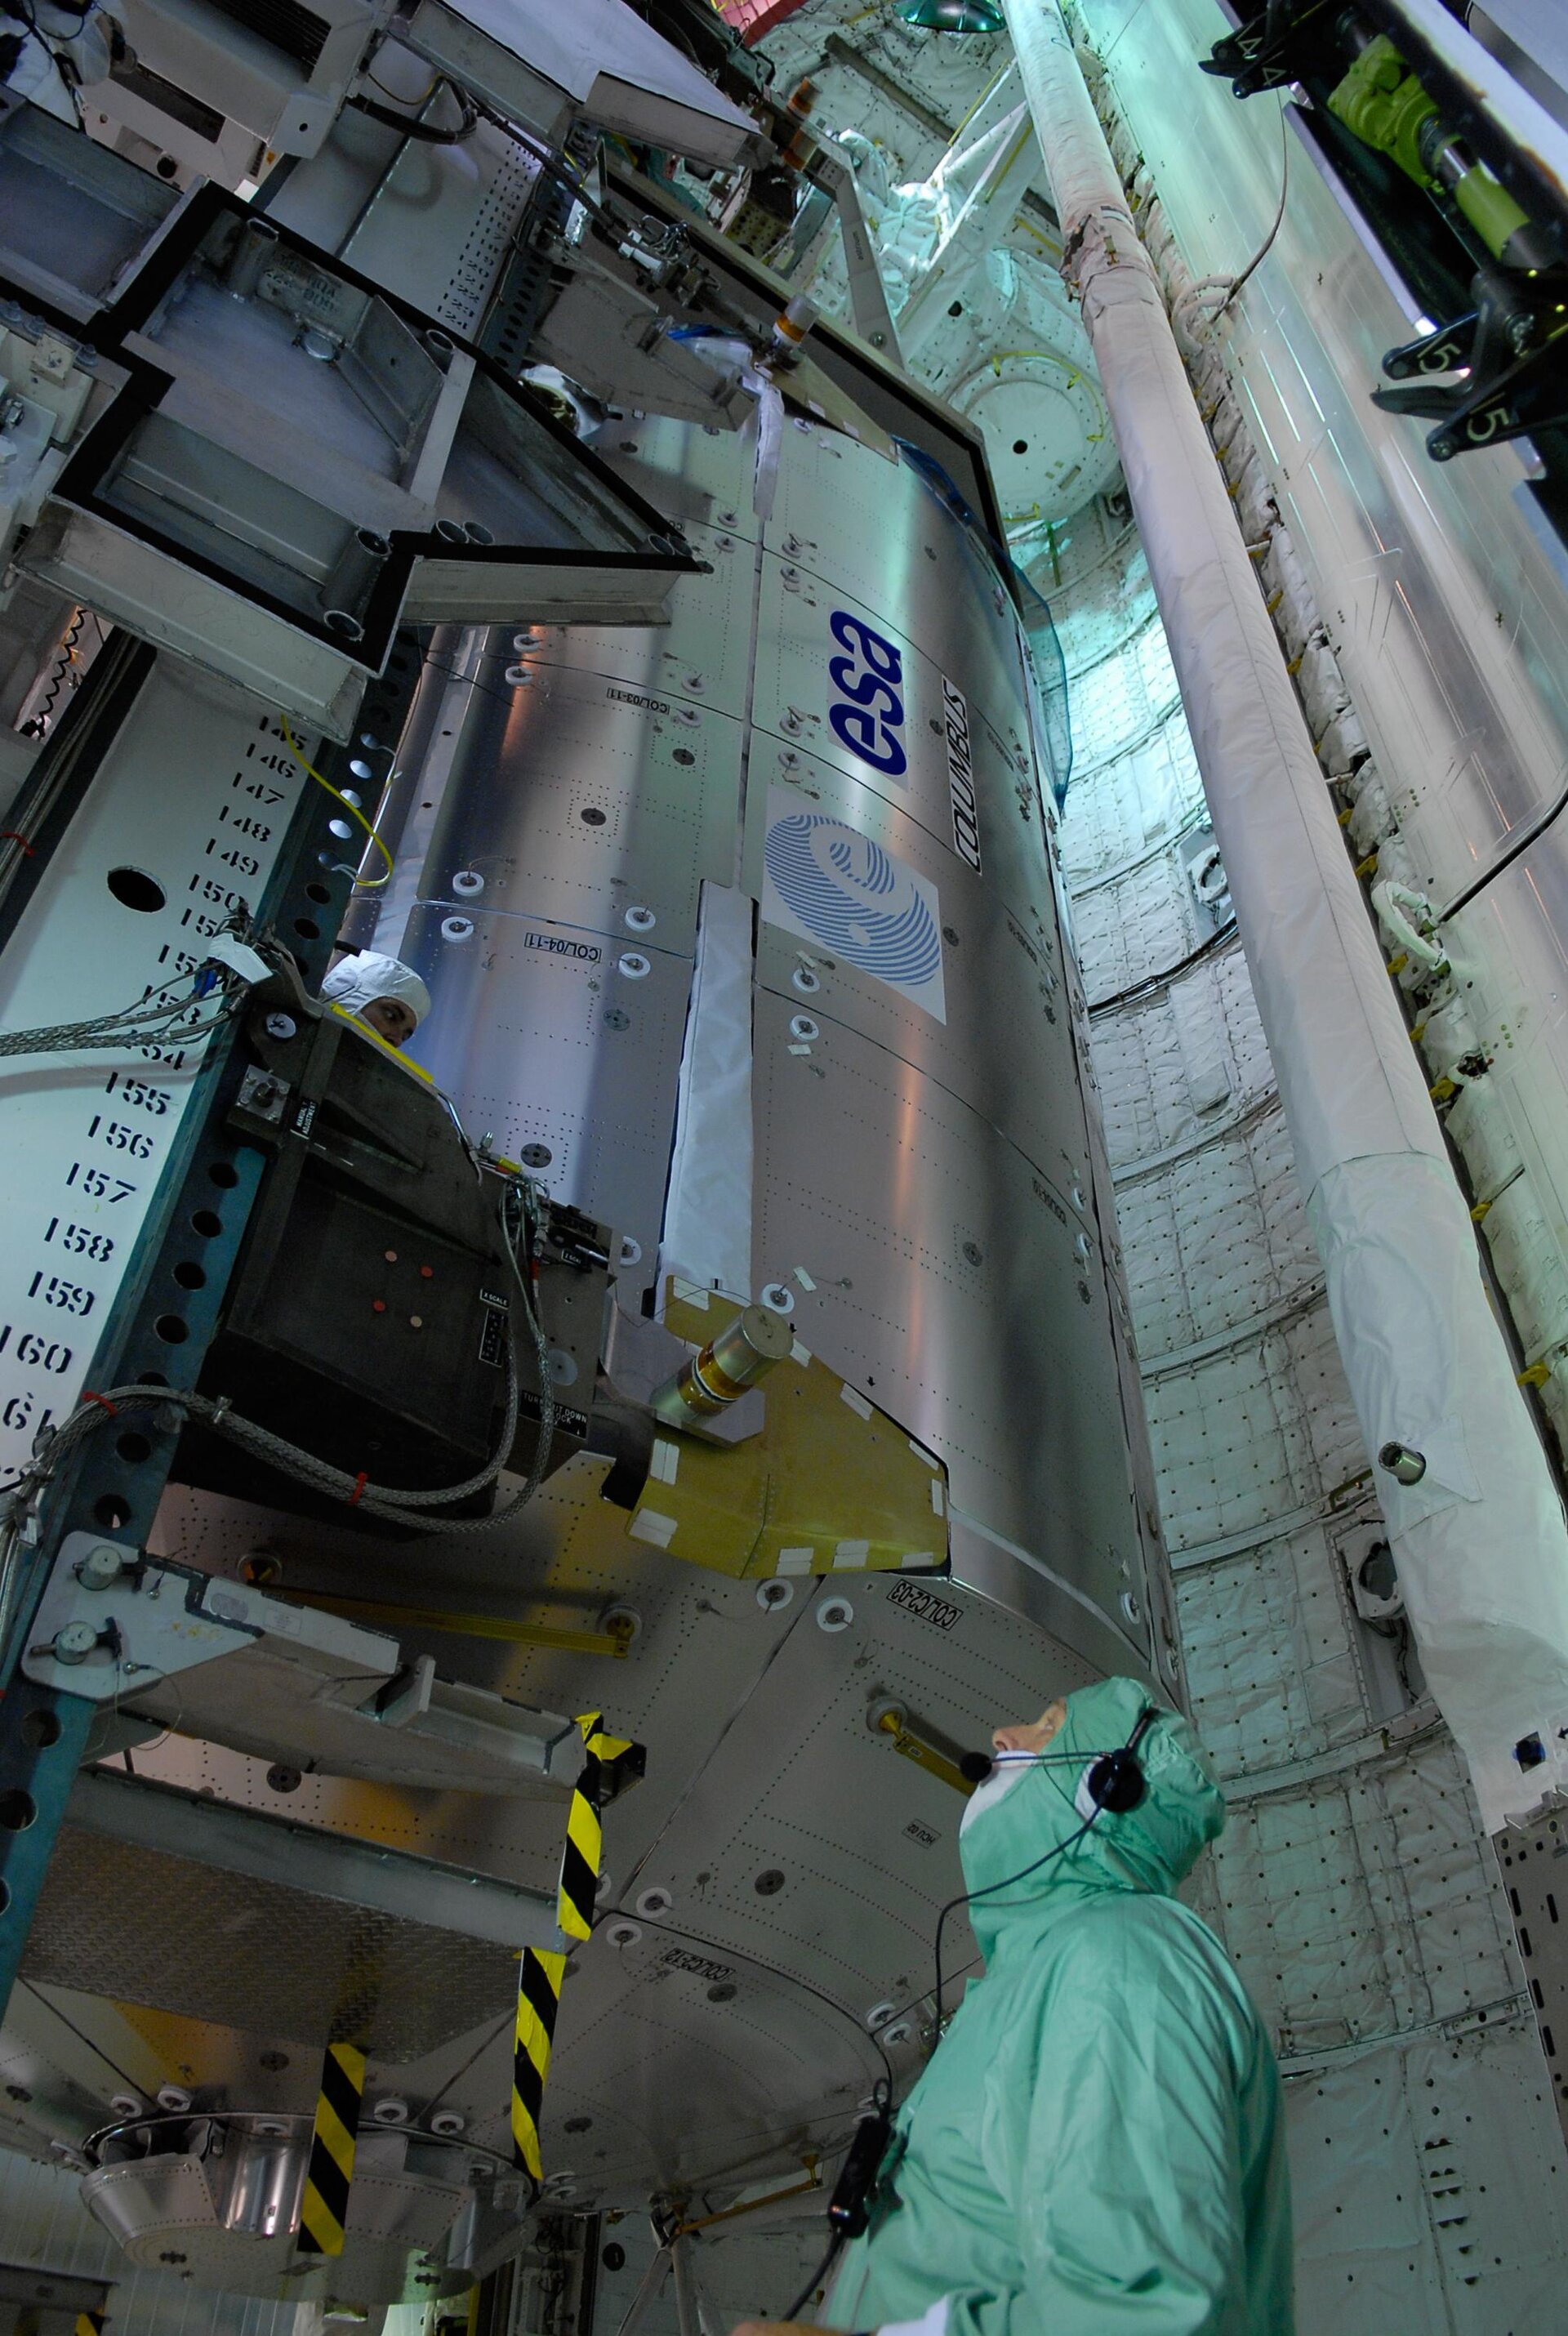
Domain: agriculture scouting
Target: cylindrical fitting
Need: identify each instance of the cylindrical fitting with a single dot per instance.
(731, 1362)
(357, 566)
(1404, 1463)
(101, 1567)
(257, 244)
(792, 324)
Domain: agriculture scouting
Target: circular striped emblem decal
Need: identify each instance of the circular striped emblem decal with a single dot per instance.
(854, 897)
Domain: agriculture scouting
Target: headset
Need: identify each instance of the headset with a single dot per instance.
(1112, 1785)
(1114, 1782)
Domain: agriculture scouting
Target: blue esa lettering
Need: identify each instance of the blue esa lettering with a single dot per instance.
(870, 675)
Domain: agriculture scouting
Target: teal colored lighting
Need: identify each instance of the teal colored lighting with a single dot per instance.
(952, 16)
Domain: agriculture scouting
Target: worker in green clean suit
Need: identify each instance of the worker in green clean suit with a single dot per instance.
(1095, 2148)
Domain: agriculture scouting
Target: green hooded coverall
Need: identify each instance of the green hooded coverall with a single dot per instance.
(1096, 2147)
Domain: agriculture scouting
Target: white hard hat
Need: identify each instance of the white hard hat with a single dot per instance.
(361, 980)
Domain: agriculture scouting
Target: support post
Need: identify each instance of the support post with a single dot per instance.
(1480, 1539)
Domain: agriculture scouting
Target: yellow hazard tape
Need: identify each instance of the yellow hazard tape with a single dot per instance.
(324, 2211)
(584, 1835)
(91, 2323)
(541, 1974)
(537, 2001)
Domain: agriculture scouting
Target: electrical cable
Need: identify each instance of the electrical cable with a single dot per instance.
(1090, 1761)
(967, 1897)
(132, 1026)
(1116, 1783)
(1158, 980)
(1512, 851)
(22, 13)
(365, 884)
(547, 1401)
(1267, 243)
(392, 1502)
(818, 2276)
(423, 98)
(553, 159)
(425, 133)
(1196, 294)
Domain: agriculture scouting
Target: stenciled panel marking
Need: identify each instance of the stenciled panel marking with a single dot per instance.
(839, 680)
(702, 656)
(556, 1037)
(191, 804)
(857, 519)
(1005, 1045)
(944, 1275)
(573, 798)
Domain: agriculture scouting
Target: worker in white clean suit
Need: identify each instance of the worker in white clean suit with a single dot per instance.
(1096, 2147)
(381, 991)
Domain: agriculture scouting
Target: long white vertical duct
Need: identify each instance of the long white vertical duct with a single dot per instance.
(1480, 1541)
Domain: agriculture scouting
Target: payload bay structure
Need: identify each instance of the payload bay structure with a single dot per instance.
(838, 592)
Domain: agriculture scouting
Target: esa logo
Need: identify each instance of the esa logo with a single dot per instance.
(869, 677)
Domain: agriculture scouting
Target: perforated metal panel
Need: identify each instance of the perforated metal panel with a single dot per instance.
(873, 527)
(572, 798)
(561, 1042)
(1006, 1045)
(118, 1920)
(702, 656)
(953, 1283)
(795, 697)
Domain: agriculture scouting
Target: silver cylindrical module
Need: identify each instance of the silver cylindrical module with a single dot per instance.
(867, 1089)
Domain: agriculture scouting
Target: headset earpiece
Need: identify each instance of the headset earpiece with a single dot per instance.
(1115, 1782)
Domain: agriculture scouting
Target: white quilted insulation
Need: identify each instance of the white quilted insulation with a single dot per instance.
(1352, 1883)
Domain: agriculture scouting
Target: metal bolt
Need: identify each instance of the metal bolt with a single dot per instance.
(280, 1026)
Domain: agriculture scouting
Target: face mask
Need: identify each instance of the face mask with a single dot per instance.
(996, 1788)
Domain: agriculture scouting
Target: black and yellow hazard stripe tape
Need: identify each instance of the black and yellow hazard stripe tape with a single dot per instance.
(92, 2323)
(537, 2001)
(612, 1761)
(324, 2211)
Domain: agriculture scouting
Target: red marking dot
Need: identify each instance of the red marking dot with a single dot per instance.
(428, 1271)
(378, 1305)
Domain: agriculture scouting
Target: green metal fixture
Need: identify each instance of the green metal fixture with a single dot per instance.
(1388, 107)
